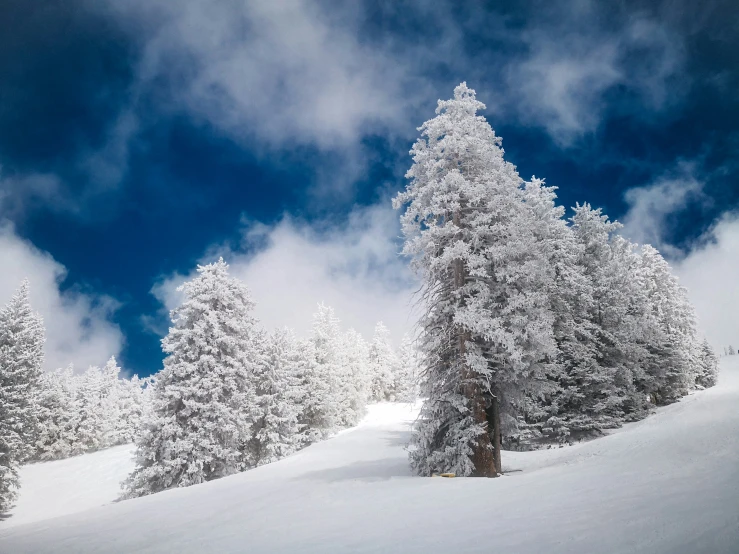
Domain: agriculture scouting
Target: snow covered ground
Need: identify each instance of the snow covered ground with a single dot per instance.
(54, 489)
(666, 484)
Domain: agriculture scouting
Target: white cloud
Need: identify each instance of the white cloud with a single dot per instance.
(650, 207)
(78, 326)
(285, 72)
(708, 267)
(561, 82)
(711, 273)
(291, 266)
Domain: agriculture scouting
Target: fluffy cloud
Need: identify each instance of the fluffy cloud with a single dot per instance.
(291, 266)
(78, 326)
(285, 72)
(646, 221)
(710, 272)
(568, 69)
(300, 72)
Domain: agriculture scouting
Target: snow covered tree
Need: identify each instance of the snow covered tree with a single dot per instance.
(354, 377)
(383, 364)
(732, 352)
(322, 409)
(671, 366)
(130, 398)
(21, 358)
(94, 413)
(276, 428)
(57, 416)
(486, 322)
(708, 369)
(576, 402)
(406, 372)
(202, 400)
(85, 412)
(619, 313)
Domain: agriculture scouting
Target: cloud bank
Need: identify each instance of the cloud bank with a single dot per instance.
(78, 325)
(711, 273)
(352, 266)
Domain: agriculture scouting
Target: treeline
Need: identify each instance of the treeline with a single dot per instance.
(231, 396)
(536, 328)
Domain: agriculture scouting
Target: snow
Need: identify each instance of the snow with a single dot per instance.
(669, 483)
(53, 489)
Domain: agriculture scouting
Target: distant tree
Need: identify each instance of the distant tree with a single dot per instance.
(407, 371)
(21, 359)
(276, 429)
(355, 377)
(708, 374)
(202, 400)
(57, 417)
(732, 352)
(383, 364)
(322, 408)
(672, 365)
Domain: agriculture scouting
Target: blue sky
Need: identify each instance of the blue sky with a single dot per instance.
(139, 138)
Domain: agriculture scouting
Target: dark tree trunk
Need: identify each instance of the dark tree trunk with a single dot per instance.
(497, 450)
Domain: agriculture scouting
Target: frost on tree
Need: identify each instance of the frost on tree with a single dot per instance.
(486, 322)
(354, 377)
(406, 375)
(708, 368)
(574, 401)
(276, 428)
(80, 413)
(322, 408)
(57, 416)
(337, 382)
(383, 364)
(674, 346)
(21, 358)
(201, 400)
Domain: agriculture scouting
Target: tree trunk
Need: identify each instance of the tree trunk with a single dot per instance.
(482, 453)
(496, 436)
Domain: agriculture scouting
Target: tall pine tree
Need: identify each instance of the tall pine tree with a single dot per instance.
(21, 358)
(202, 400)
(487, 324)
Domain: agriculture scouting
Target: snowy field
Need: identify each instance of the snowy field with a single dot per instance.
(666, 484)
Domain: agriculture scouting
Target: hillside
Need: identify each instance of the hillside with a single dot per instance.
(669, 483)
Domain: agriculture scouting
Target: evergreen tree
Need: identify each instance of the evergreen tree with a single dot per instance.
(93, 417)
(708, 374)
(617, 313)
(130, 399)
(354, 377)
(56, 437)
(322, 409)
(276, 431)
(486, 322)
(672, 344)
(383, 364)
(203, 398)
(577, 400)
(407, 371)
(21, 359)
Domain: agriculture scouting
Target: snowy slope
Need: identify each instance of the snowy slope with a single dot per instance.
(54, 489)
(666, 484)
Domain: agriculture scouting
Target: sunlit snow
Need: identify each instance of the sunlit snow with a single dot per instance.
(669, 483)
